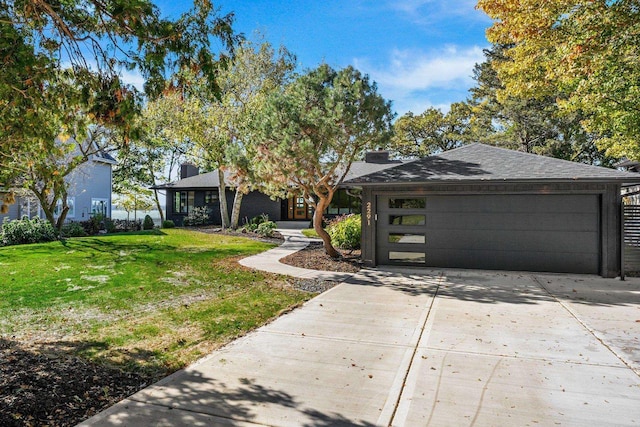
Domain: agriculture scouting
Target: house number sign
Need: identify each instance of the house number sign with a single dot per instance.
(368, 213)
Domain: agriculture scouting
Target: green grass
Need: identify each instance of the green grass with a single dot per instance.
(152, 301)
(310, 232)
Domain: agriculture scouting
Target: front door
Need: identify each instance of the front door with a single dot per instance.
(298, 208)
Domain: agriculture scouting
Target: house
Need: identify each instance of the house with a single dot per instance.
(89, 192)
(194, 189)
(483, 207)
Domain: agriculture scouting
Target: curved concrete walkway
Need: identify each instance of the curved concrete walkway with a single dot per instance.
(294, 241)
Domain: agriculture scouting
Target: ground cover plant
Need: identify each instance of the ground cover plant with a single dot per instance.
(132, 306)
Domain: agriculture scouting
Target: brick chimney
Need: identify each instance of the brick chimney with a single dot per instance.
(380, 156)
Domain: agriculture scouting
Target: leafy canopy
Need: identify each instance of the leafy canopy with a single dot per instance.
(310, 132)
(587, 50)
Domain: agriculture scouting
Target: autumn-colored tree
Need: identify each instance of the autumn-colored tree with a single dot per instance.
(245, 82)
(432, 131)
(133, 199)
(586, 51)
(155, 155)
(60, 74)
(310, 132)
(215, 123)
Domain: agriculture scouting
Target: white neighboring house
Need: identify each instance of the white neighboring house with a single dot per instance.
(89, 192)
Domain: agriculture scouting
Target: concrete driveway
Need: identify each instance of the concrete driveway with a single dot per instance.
(421, 348)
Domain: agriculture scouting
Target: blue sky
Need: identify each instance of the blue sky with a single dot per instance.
(420, 52)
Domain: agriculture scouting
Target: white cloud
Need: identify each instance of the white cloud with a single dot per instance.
(410, 78)
(133, 78)
(410, 71)
(425, 11)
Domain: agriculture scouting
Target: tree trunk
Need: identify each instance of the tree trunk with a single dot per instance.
(235, 210)
(158, 205)
(155, 194)
(317, 226)
(224, 210)
(48, 212)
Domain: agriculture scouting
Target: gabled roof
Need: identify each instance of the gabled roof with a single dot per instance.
(210, 180)
(201, 181)
(479, 162)
(359, 169)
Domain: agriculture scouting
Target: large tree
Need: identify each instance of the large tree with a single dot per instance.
(588, 50)
(61, 66)
(215, 124)
(529, 124)
(245, 82)
(431, 131)
(310, 133)
(155, 155)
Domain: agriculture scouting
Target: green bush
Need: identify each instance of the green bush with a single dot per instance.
(148, 224)
(127, 225)
(167, 223)
(109, 225)
(25, 230)
(72, 229)
(266, 229)
(346, 231)
(93, 225)
(253, 223)
(198, 216)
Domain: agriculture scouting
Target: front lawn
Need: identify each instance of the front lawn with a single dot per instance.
(146, 302)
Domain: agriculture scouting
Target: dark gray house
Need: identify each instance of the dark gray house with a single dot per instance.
(483, 207)
(195, 189)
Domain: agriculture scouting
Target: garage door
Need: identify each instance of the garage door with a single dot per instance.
(554, 233)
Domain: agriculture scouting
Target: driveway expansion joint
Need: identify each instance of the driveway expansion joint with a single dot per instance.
(416, 347)
(337, 339)
(587, 328)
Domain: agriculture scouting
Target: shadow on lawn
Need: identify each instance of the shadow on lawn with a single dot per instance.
(48, 384)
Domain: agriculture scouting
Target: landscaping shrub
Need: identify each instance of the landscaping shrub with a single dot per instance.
(198, 216)
(253, 223)
(148, 223)
(346, 231)
(109, 225)
(167, 223)
(127, 225)
(72, 229)
(25, 230)
(93, 225)
(266, 229)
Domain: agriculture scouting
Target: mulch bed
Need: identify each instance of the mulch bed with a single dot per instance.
(315, 258)
(38, 388)
(41, 385)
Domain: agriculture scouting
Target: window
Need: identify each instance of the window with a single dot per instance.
(71, 204)
(343, 203)
(99, 207)
(210, 197)
(406, 238)
(412, 257)
(414, 203)
(406, 219)
(183, 201)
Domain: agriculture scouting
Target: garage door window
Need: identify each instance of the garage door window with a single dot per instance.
(406, 238)
(410, 257)
(413, 203)
(406, 219)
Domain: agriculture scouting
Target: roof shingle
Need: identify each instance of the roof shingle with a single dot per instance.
(479, 162)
